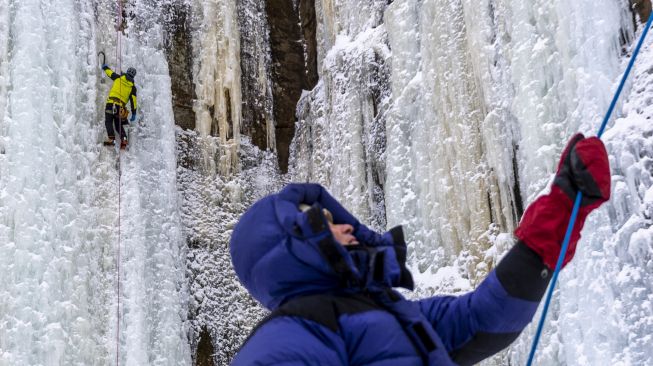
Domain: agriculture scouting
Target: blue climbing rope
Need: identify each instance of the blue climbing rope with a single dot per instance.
(579, 196)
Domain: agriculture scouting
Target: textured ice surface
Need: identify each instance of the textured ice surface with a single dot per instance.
(59, 204)
(480, 98)
(446, 116)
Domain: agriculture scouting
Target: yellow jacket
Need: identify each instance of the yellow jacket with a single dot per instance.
(122, 90)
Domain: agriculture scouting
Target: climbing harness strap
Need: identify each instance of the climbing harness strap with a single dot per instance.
(326, 310)
(579, 196)
(117, 101)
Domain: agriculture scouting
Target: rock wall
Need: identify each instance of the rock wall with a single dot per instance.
(256, 85)
(180, 62)
(293, 64)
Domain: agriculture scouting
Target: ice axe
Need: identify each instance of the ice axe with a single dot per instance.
(104, 59)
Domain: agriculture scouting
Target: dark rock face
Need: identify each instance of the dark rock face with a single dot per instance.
(642, 8)
(204, 355)
(294, 64)
(256, 94)
(179, 55)
(309, 31)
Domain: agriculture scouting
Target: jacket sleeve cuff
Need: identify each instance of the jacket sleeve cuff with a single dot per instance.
(523, 274)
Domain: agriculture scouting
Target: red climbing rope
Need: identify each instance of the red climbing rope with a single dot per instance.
(118, 260)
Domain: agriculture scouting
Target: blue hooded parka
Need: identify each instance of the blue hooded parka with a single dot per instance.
(289, 261)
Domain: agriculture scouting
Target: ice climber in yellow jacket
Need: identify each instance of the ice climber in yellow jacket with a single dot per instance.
(122, 91)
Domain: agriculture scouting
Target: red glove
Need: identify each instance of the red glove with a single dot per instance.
(583, 166)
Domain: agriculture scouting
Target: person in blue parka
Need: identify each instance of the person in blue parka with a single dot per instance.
(328, 279)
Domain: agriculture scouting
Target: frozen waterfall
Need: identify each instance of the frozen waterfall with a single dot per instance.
(473, 102)
(445, 116)
(59, 201)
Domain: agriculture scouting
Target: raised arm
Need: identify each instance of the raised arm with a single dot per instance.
(481, 323)
(109, 72)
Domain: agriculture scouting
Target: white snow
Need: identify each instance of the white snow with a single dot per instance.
(445, 116)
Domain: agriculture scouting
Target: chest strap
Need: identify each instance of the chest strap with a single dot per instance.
(326, 309)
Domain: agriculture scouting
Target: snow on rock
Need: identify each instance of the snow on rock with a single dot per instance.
(210, 208)
(339, 138)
